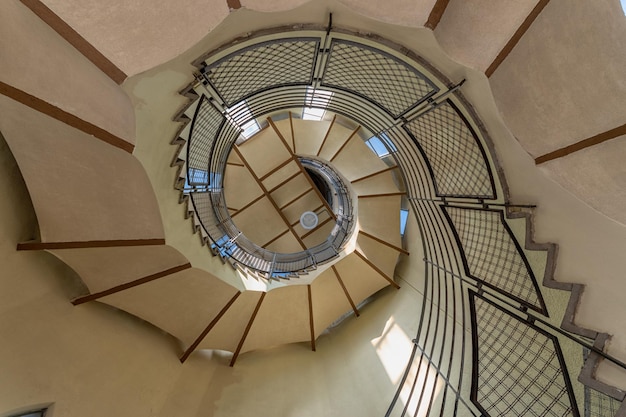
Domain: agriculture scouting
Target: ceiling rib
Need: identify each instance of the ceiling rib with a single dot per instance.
(375, 268)
(519, 33)
(384, 242)
(275, 239)
(296, 198)
(89, 244)
(436, 14)
(580, 145)
(248, 326)
(293, 137)
(206, 331)
(125, 286)
(76, 40)
(69, 119)
(374, 174)
(332, 123)
(247, 205)
(269, 197)
(302, 170)
(345, 291)
(345, 143)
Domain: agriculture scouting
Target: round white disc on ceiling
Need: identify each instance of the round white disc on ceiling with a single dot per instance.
(308, 220)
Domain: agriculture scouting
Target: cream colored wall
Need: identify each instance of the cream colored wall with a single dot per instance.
(142, 34)
(95, 360)
(38, 61)
(474, 32)
(95, 353)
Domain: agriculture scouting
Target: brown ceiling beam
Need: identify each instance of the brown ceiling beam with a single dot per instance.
(332, 123)
(384, 242)
(436, 14)
(382, 171)
(76, 40)
(248, 205)
(275, 239)
(280, 135)
(89, 244)
(293, 137)
(296, 198)
(519, 33)
(377, 269)
(69, 119)
(345, 143)
(287, 162)
(269, 197)
(345, 291)
(585, 143)
(237, 164)
(247, 330)
(319, 226)
(285, 181)
(233, 4)
(311, 324)
(131, 284)
(306, 174)
(206, 331)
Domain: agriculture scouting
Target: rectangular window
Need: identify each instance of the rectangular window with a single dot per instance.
(240, 112)
(317, 102)
(381, 145)
(404, 217)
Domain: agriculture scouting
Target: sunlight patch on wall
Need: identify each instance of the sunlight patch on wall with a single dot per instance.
(393, 348)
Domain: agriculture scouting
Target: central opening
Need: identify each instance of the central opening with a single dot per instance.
(282, 201)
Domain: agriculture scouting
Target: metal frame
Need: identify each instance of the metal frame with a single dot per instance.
(441, 349)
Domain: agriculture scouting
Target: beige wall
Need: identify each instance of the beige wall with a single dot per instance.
(85, 358)
(97, 361)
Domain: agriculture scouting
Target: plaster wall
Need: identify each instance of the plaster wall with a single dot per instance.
(474, 32)
(564, 81)
(40, 62)
(95, 360)
(140, 35)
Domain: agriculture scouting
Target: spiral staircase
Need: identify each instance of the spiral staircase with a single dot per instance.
(100, 207)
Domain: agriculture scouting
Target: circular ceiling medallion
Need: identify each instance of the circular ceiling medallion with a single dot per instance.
(308, 220)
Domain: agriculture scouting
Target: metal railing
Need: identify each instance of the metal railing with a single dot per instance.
(458, 196)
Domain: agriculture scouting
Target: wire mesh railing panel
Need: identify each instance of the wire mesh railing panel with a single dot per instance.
(263, 66)
(492, 255)
(456, 158)
(376, 75)
(598, 404)
(205, 127)
(520, 369)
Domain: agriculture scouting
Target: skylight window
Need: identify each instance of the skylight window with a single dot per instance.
(320, 100)
(623, 3)
(404, 217)
(239, 112)
(381, 145)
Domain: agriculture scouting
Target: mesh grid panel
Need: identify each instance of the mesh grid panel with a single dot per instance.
(491, 255)
(206, 125)
(598, 404)
(518, 371)
(453, 153)
(264, 65)
(376, 75)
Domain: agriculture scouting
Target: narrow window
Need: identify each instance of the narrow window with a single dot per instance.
(404, 217)
(381, 145)
(317, 101)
